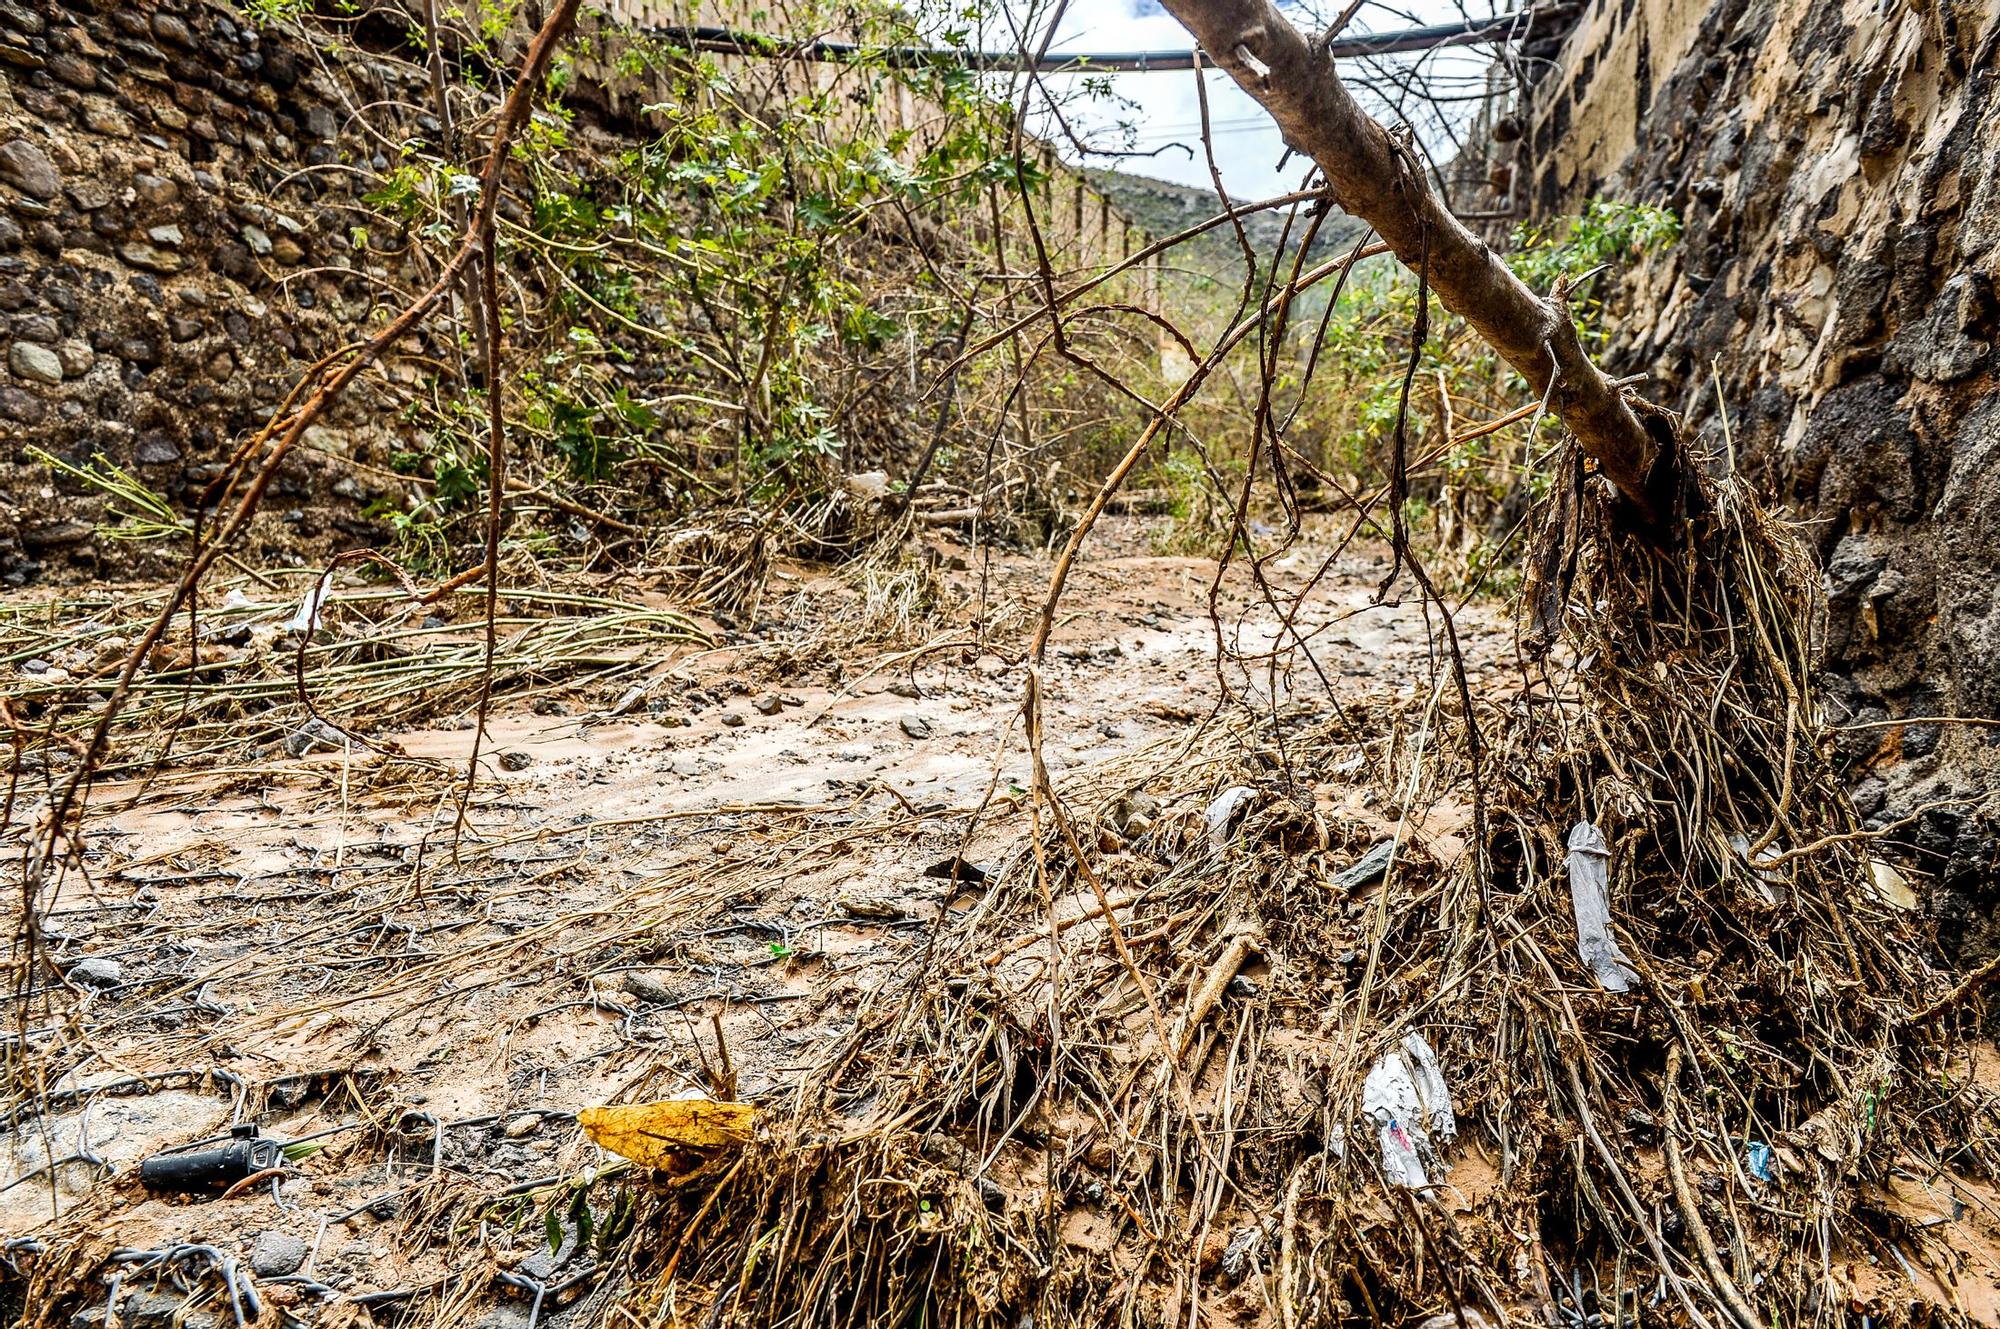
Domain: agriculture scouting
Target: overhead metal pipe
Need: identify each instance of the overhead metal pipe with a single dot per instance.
(730, 41)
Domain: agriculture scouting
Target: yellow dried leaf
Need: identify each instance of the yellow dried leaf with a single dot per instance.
(657, 1134)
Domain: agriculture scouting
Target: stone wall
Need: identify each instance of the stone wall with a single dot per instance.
(1837, 170)
(183, 231)
(177, 195)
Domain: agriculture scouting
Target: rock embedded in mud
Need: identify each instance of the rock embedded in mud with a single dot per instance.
(515, 761)
(97, 972)
(916, 726)
(149, 1310)
(157, 449)
(647, 987)
(769, 704)
(276, 1254)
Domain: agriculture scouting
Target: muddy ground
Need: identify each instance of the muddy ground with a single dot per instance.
(723, 867)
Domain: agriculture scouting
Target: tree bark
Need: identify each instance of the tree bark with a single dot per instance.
(1373, 177)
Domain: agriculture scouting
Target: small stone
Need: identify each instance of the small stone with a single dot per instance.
(97, 972)
(503, 1317)
(76, 357)
(74, 70)
(157, 449)
(37, 364)
(153, 260)
(276, 1254)
(916, 726)
(769, 704)
(102, 119)
(155, 191)
(28, 169)
(258, 240)
(172, 30)
(56, 534)
(732, 719)
(27, 20)
(515, 761)
(647, 987)
(856, 903)
(22, 406)
(313, 734)
(159, 1310)
(525, 1124)
(286, 250)
(89, 195)
(168, 235)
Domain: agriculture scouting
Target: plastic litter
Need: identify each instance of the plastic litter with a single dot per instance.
(196, 1170)
(1770, 881)
(1890, 885)
(1406, 1096)
(1757, 1159)
(1590, 895)
(1223, 814)
(306, 620)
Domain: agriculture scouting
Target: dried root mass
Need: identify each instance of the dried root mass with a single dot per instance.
(1217, 1098)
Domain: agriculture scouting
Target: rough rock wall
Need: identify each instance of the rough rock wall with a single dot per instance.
(177, 192)
(1837, 170)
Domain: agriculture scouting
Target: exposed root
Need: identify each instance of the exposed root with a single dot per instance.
(999, 1139)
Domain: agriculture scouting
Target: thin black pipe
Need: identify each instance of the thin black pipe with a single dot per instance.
(729, 41)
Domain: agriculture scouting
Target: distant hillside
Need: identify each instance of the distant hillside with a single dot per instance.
(1164, 208)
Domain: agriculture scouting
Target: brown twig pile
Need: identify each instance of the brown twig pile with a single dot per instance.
(1166, 1116)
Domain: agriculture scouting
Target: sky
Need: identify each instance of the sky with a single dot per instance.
(1163, 110)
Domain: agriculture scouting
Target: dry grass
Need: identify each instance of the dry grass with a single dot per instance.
(376, 660)
(1044, 1113)
(1059, 1120)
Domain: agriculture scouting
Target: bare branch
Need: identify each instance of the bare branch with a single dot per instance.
(1373, 177)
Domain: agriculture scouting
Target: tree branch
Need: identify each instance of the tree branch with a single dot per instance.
(1372, 177)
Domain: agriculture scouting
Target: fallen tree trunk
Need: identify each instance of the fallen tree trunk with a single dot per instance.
(1374, 177)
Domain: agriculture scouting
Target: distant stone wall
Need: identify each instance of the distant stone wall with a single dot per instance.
(182, 234)
(176, 193)
(1837, 169)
